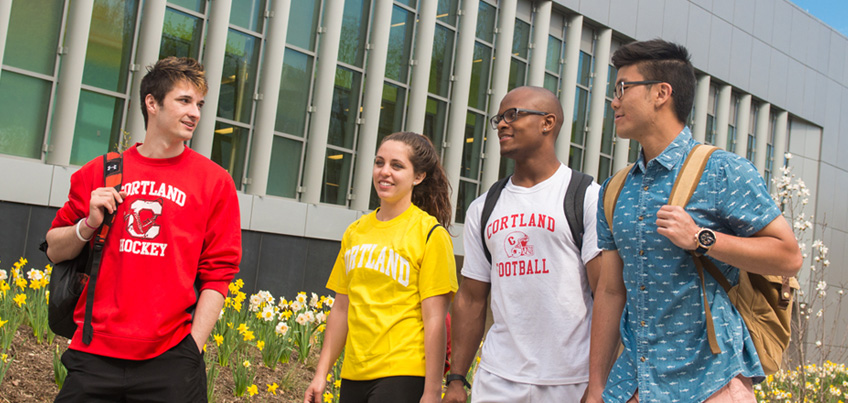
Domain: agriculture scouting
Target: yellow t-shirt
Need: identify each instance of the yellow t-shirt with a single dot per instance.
(387, 268)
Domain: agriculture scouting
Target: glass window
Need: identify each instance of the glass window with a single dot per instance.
(506, 168)
(584, 69)
(33, 35)
(110, 44)
(608, 129)
(354, 30)
(391, 111)
(409, 3)
(24, 115)
(486, 22)
(633, 152)
(303, 21)
(446, 11)
(467, 194)
(194, 5)
(520, 39)
(440, 67)
(285, 162)
(336, 177)
(228, 147)
(611, 76)
(551, 83)
(581, 103)
(248, 14)
(478, 92)
(554, 54)
(575, 158)
(434, 122)
(345, 108)
(239, 77)
(604, 166)
(294, 93)
(517, 74)
(180, 35)
(400, 44)
(97, 128)
(475, 126)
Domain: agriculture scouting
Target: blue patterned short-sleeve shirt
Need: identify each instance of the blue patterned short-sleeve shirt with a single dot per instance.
(666, 354)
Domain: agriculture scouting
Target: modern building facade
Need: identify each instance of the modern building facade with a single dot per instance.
(302, 91)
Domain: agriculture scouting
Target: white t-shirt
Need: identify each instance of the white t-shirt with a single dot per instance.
(541, 300)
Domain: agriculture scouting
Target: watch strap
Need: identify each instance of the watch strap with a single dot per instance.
(457, 377)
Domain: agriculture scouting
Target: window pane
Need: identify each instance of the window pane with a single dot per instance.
(180, 36)
(581, 103)
(410, 3)
(434, 122)
(731, 138)
(554, 54)
(520, 39)
(475, 126)
(517, 74)
(440, 67)
(507, 167)
(391, 111)
(345, 108)
(354, 30)
(336, 178)
(467, 194)
(633, 152)
(612, 72)
(285, 163)
(604, 165)
(575, 158)
(294, 93)
(110, 44)
(584, 69)
(195, 5)
(228, 148)
(400, 44)
(24, 115)
(97, 128)
(486, 22)
(303, 20)
(608, 129)
(446, 12)
(239, 77)
(33, 35)
(478, 92)
(710, 134)
(552, 84)
(752, 151)
(248, 14)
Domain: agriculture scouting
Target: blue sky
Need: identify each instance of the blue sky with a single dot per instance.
(831, 12)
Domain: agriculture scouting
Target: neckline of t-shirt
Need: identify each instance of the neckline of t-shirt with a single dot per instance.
(539, 186)
(133, 152)
(394, 221)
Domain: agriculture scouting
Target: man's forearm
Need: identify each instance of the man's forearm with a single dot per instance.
(606, 317)
(205, 315)
(63, 243)
(468, 320)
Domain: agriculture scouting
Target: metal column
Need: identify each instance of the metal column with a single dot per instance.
(150, 37)
(70, 81)
(322, 104)
(213, 61)
(568, 86)
(266, 110)
(5, 16)
(539, 52)
(743, 122)
(762, 135)
(597, 105)
(702, 98)
(420, 78)
(780, 139)
(500, 78)
(723, 115)
(375, 73)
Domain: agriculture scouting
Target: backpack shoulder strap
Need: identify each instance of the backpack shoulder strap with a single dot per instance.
(572, 204)
(690, 174)
(613, 190)
(431, 232)
(491, 199)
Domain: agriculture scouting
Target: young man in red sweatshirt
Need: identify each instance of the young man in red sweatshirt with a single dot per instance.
(176, 226)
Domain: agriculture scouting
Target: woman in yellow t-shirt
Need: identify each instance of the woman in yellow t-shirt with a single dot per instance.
(394, 278)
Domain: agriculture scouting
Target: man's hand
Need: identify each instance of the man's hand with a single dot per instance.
(674, 223)
(105, 199)
(315, 391)
(455, 393)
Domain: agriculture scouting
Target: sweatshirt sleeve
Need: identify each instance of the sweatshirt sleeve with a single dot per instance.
(221, 254)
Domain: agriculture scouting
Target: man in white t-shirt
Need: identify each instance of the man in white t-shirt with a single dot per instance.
(541, 284)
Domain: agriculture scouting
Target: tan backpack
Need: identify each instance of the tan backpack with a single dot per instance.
(763, 301)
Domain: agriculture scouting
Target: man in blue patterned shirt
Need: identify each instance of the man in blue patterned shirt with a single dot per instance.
(648, 279)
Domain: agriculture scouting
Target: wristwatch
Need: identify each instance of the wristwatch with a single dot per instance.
(705, 238)
(457, 377)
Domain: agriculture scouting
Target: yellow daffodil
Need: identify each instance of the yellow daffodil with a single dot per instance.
(20, 282)
(260, 345)
(328, 397)
(252, 390)
(5, 358)
(242, 328)
(337, 383)
(204, 347)
(2, 322)
(218, 339)
(246, 364)
(239, 283)
(20, 299)
(272, 388)
(248, 335)
(329, 377)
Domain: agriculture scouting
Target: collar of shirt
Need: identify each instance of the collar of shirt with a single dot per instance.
(672, 153)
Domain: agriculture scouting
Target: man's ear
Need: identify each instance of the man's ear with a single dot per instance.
(548, 123)
(662, 95)
(150, 103)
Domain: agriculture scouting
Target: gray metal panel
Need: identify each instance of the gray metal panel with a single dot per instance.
(845, 69)
(320, 258)
(675, 21)
(698, 35)
(596, 10)
(800, 35)
(245, 209)
(820, 104)
(760, 59)
(836, 67)
(830, 136)
(278, 215)
(30, 182)
(778, 70)
(40, 219)
(705, 4)
(649, 19)
(781, 32)
(795, 86)
(763, 20)
(572, 5)
(249, 267)
(623, 16)
(810, 85)
(818, 52)
(327, 222)
(740, 58)
(743, 15)
(60, 185)
(721, 33)
(723, 9)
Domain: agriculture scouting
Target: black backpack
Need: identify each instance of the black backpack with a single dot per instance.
(571, 204)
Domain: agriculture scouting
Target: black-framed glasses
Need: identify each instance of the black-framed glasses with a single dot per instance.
(511, 114)
(620, 86)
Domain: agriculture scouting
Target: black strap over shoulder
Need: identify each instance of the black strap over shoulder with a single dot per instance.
(431, 231)
(573, 205)
(491, 199)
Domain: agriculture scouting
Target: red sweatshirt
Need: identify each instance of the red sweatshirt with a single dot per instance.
(179, 222)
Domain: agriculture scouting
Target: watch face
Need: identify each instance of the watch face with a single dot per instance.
(706, 238)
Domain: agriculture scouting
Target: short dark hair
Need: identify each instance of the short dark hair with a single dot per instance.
(664, 61)
(162, 76)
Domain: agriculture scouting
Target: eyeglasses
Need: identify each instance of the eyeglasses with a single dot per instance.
(620, 86)
(511, 114)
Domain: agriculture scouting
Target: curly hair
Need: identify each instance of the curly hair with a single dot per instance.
(433, 193)
(162, 76)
